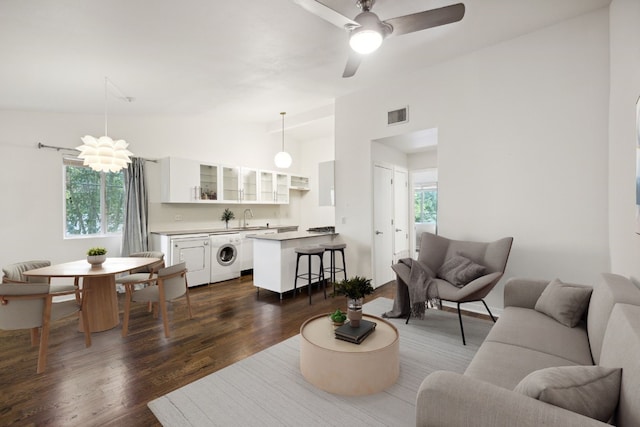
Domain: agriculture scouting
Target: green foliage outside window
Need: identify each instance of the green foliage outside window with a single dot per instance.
(94, 201)
(425, 205)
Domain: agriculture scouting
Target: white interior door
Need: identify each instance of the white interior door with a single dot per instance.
(400, 214)
(383, 229)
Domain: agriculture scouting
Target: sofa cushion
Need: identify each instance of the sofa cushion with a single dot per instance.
(531, 329)
(460, 270)
(564, 302)
(588, 390)
(620, 349)
(611, 289)
(505, 365)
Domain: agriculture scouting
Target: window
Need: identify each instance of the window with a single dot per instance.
(94, 201)
(425, 204)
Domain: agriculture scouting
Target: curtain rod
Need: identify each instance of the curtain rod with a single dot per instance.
(53, 147)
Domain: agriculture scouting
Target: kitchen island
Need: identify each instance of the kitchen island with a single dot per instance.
(274, 258)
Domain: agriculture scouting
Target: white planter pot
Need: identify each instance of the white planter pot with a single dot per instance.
(96, 260)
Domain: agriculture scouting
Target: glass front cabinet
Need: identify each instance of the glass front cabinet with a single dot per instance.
(189, 181)
(274, 187)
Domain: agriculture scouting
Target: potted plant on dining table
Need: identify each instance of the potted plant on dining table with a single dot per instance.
(96, 256)
(355, 289)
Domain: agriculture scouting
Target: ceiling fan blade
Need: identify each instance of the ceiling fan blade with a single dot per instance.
(427, 19)
(353, 62)
(326, 13)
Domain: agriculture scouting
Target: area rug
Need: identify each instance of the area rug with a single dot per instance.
(267, 388)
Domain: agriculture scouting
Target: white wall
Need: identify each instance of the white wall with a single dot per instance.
(311, 214)
(522, 132)
(32, 180)
(625, 90)
(423, 160)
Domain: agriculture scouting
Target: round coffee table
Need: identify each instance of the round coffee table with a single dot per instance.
(348, 369)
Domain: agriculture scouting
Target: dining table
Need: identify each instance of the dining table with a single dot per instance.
(100, 284)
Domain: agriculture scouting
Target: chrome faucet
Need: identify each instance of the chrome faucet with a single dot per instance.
(247, 211)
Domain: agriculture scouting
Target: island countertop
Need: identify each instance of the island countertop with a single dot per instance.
(290, 235)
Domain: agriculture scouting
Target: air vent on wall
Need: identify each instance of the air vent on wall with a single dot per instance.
(400, 115)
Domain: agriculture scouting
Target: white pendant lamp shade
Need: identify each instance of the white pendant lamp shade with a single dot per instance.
(282, 159)
(104, 154)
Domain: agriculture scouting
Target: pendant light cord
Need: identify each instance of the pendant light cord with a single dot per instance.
(282, 114)
(106, 80)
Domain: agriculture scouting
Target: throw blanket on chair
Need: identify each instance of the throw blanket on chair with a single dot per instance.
(420, 287)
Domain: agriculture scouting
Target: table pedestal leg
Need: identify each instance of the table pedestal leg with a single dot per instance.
(102, 303)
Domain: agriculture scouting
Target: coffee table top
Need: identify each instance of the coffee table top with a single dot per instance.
(319, 331)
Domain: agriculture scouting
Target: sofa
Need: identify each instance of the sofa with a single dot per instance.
(528, 347)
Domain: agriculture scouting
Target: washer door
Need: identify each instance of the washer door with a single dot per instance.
(227, 254)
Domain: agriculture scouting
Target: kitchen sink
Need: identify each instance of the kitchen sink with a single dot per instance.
(255, 227)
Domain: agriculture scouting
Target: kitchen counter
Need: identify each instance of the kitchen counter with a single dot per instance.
(274, 258)
(279, 228)
(291, 235)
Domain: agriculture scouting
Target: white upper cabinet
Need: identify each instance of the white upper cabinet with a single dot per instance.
(180, 180)
(209, 182)
(190, 181)
(274, 187)
(230, 184)
(299, 183)
(249, 185)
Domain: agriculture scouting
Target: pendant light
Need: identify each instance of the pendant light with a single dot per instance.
(282, 159)
(104, 154)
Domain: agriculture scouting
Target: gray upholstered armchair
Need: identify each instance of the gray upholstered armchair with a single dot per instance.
(439, 253)
(12, 273)
(31, 306)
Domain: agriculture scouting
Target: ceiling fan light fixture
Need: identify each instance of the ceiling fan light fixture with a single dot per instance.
(365, 40)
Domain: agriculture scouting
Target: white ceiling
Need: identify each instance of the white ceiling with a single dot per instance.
(250, 59)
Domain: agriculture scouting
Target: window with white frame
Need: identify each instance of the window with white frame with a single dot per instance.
(94, 201)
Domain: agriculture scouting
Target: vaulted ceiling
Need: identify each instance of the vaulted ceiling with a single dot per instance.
(251, 59)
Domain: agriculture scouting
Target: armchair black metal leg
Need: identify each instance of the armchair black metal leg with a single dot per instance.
(464, 342)
(408, 317)
(487, 307)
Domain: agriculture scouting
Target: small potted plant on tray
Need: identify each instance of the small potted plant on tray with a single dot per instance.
(96, 256)
(338, 317)
(355, 289)
(227, 215)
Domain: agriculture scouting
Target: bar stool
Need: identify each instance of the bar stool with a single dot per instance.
(333, 268)
(310, 251)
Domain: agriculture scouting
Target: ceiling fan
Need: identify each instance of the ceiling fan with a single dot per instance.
(367, 31)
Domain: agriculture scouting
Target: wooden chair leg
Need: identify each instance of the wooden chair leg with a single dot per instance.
(163, 307)
(127, 308)
(188, 300)
(44, 336)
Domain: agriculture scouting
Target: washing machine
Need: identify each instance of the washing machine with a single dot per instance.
(225, 256)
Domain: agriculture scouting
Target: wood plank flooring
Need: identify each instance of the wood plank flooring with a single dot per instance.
(111, 382)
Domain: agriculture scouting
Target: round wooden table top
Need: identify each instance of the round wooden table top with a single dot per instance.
(82, 268)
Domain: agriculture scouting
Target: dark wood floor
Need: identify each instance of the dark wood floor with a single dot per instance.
(111, 382)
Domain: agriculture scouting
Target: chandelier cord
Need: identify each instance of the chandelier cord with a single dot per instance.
(106, 80)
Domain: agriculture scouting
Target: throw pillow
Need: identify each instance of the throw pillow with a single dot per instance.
(564, 302)
(460, 270)
(592, 391)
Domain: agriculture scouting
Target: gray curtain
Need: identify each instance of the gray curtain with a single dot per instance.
(135, 231)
